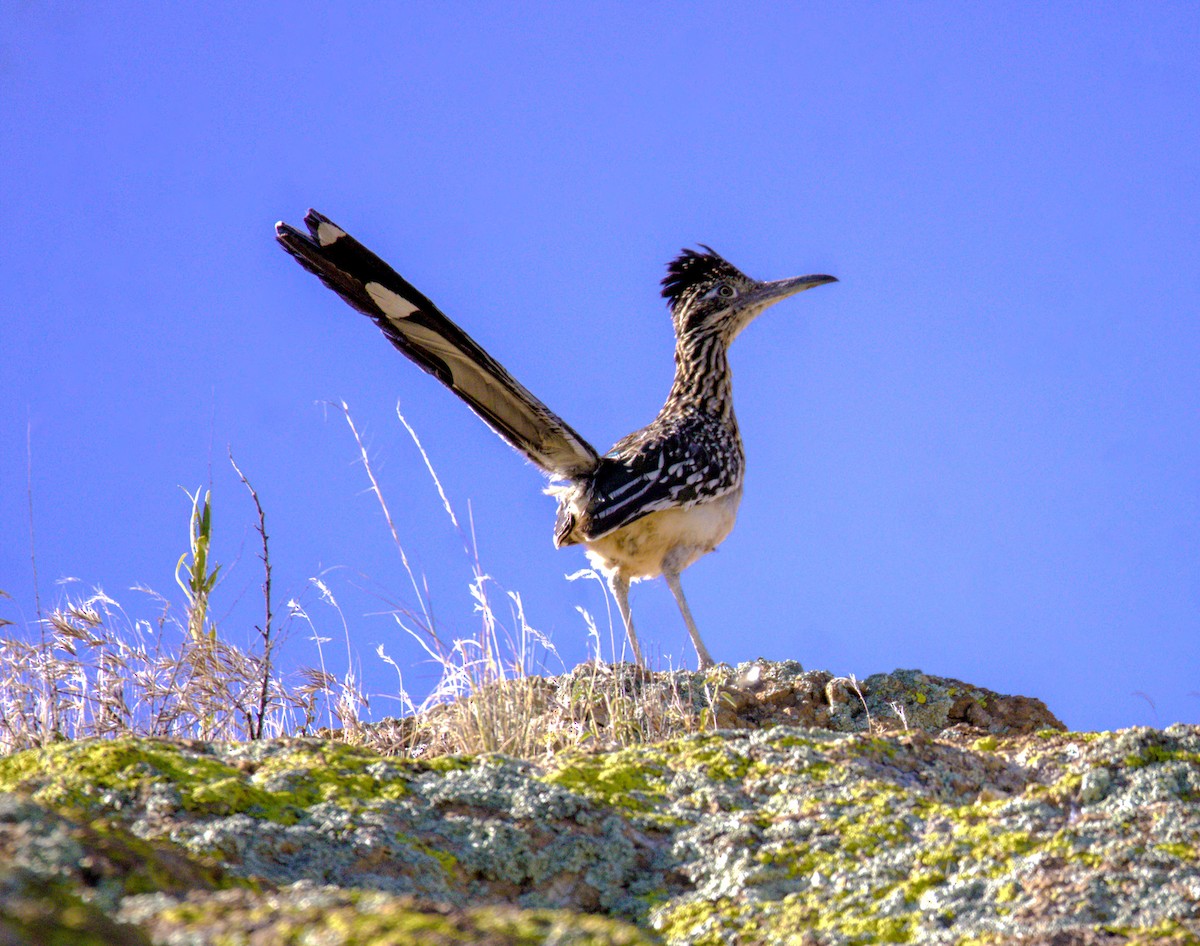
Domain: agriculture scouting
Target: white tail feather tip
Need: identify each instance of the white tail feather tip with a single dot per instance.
(327, 233)
(393, 305)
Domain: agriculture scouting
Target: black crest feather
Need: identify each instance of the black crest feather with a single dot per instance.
(691, 270)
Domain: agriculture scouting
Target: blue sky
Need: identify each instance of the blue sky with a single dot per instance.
(978, 454)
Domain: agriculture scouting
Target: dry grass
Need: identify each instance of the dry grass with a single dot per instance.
(493, 695)
(89, 669)
(96, 672)
(595, 706)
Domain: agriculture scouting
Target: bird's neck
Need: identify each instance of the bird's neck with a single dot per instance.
(703, 381)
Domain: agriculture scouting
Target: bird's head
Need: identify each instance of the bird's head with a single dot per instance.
(707, 294)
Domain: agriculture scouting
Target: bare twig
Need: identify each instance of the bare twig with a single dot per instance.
(264, 630)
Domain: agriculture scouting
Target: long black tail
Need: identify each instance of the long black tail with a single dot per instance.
(415, 326)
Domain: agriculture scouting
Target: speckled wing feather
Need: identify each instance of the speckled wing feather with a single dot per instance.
(418, 329)
(661, 467)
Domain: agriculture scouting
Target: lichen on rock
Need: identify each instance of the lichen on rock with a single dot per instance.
(962, 829)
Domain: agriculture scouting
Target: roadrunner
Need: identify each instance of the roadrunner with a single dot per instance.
(661, 497)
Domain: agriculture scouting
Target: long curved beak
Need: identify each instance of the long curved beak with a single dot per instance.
(766, 294)
(771, 292)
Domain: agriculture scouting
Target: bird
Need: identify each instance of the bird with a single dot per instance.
(663, 496)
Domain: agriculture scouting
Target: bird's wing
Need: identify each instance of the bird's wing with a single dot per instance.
(646, 473)
(415, 326)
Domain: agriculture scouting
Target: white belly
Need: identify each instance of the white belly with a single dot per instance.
(670, 539)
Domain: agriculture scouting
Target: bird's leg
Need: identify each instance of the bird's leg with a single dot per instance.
(676, 587)
(620, 590)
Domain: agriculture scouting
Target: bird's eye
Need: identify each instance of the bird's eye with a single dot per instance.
(727, 292)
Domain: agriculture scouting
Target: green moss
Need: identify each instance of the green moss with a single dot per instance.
(443, 763)
(870, 824)
(797, 917)
(918, 883)
(875, 816)
(977, 841)
(1164, 933)
(637, 779)
(78, 776)
(1153, 755)
(1185, 852)
(712, 754)
(1064, 790)
(1008, 892)
(817, 771)
(876, 929)
(448, 862)
(795, 859)
(537, 927)
(328, 771)
(225, 796)
(627, 779)
(374, 920)
(871, 746)
(983, 939)
(986, 744)
(1006, 844)
(792, 741)
(701, 922)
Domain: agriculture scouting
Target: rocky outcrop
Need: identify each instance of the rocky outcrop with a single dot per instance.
(956, 830)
